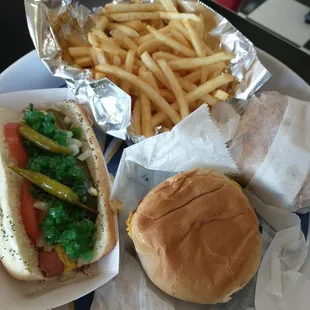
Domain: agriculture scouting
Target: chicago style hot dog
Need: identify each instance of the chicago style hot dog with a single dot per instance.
(55, 214)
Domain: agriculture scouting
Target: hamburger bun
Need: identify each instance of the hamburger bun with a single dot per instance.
(197, 237)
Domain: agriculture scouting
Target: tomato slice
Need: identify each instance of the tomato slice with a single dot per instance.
(14, 141)
(28, 212)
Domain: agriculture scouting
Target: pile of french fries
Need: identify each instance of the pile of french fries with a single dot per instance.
(158, 56)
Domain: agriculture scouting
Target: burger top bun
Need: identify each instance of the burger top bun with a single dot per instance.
(197, 237)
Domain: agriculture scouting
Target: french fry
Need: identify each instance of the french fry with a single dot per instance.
(102, 57)
(142, 7)
(117, 61)
(221, 95)
(83, 62)
(102, 23)
(163, 129)
(155, 23)
(179, 16)
(136, 25)
(194, 76)
(208, 51)
(124, 29)
(204, 75)
(179, 37)
(124, 40)
(135, 69)
(122, 17)
(62, 42)
(200, 27)
(144, 32)
(149, 77)
(136, 115)
(171, 42)
(179, 27)
(113, 49)
(196, 41)
(164, 55)
(168, 95)
(188, 87)
(125, 85)
(97, 35)
(146, 112)
(146, 116)
(218, 67)
(150, 36)
(79, 51)
(157, 99)
(75, 42)
(197, 93)
(190, 63)
(153, 67)
(149, 46)
(169, 6)
(99, 75)
(165, 48)
(93, 55)
(67, 57)
(175, 86)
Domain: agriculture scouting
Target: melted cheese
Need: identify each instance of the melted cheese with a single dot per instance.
(67, 261)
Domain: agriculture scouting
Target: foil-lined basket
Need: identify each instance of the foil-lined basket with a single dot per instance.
(50, 21)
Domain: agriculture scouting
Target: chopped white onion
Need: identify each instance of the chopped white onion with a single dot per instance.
(84, 155)
(74, 148)
(69, 134)
(92, 191)
(81, 261)
(40, 205)
(67, 120)
(76, 142)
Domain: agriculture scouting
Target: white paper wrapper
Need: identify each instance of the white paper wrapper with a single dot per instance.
(272, 150)
(226, 119)
(41, 295)
(281, 283)
(146, 164)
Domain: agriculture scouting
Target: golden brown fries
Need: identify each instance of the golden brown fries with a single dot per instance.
(158, 56)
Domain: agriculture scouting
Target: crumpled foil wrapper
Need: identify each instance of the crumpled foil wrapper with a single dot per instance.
(110, 106)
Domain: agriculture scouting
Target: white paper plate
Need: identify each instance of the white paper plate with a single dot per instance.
(16, 294)
(30, 73)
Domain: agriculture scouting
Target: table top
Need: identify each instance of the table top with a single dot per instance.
(15, 33)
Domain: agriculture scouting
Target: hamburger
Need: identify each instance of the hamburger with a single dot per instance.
(197, 237)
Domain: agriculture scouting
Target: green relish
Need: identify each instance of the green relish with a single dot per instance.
(64, 224)
(45, 124)
(69, 227)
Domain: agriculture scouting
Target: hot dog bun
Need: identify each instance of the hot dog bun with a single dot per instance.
(18, 255)
(197, 237)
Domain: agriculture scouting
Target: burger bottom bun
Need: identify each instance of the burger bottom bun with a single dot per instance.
(197, 237)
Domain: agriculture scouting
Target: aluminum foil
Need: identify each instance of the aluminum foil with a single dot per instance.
(110, 106)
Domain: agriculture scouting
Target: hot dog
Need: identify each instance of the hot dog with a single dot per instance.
(55, 214)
